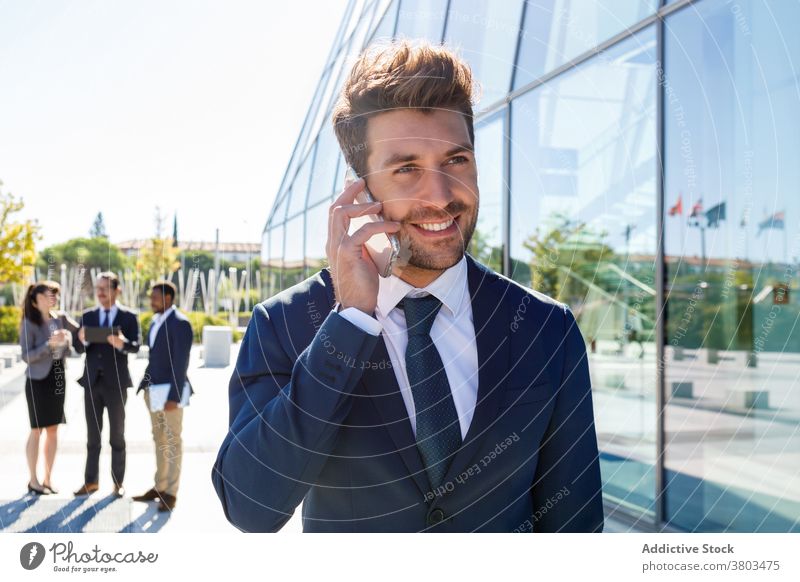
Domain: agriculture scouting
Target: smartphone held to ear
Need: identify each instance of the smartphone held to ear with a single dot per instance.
(383, 248)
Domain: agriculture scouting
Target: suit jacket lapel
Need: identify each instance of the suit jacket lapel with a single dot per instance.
(381, 384)
(491, 320)
(161, 328)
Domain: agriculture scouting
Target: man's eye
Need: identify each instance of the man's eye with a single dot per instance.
(458, 160)
(404, 170)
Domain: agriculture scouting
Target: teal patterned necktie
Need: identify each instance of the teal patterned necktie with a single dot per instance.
(438, 429)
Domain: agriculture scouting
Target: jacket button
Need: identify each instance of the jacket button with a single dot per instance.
(435, 516)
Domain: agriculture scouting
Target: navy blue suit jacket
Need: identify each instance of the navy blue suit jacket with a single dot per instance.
(168, 361)
(316, 416)
(104, 356)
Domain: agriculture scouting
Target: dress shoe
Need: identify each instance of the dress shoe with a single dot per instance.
(49, 489)
(87, 489)
(151, 495)
(37, 490)
(119, 491)
(167, 502)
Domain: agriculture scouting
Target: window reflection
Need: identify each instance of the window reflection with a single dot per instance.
(583, 231)
(733, 340)
(275, 262)
(486, 244)
(325, 177)
(556, 32)
(316, 236)
(486, 33)
(385, 27)
(293, 271)
(421, 19)
(297, 202)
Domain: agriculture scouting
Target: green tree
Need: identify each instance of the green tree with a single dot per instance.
(561, 250)
(479, 247)
(17, 241)
(86, 253)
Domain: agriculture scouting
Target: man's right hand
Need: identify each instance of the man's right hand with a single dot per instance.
(355, 276)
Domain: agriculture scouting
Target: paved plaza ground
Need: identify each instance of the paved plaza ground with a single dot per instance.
(204, 427)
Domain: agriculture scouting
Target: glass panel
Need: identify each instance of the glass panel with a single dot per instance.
(385, 27)
(325, 179)
(486, 244)
(364, 23)
(422, 19)
(486, 35)
(331, 91)
(300, 186)
(356, 17)
(583, 230)
(293, 256)
(732, 246)
(556, 31)
(316, 236)
(306, 136)
(280, 209)
(275, 262)
(265, 246)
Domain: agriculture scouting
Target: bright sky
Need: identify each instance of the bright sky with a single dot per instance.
(190, 105)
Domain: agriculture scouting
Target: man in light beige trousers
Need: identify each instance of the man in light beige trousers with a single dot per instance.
(167, 391)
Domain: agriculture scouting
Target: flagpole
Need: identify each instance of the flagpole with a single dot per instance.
(785, 241)
(746, 241)
(703, 245)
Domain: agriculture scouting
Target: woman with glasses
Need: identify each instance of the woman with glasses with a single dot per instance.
(45, 338)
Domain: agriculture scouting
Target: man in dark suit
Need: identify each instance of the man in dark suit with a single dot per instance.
(444, 397)
(106, 380)
(170, 339)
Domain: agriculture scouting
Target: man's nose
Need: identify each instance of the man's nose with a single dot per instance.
(436, 188)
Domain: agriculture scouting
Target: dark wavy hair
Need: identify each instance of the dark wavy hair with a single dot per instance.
(29, 310)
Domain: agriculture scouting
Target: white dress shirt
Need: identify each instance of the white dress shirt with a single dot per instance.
(155, 325)
(453, 334)
(112, 314)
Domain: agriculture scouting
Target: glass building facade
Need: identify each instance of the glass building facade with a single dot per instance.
(637, 161)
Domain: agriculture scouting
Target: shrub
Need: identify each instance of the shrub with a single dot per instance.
(9, 324)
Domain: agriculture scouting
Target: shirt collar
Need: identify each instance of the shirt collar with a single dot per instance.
(450, 288)
(164, 314)
(112, 311)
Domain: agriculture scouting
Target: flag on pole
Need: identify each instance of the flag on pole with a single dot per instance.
(697, 209)
(775, 221)
(678, 208)
(715, 214)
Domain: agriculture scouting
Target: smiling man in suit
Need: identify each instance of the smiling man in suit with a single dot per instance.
(106, 380)
(170, 340)
(442, 398)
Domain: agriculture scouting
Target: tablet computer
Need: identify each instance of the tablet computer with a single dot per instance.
(98, 335)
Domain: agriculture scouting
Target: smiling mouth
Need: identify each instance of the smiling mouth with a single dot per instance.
(440, 228)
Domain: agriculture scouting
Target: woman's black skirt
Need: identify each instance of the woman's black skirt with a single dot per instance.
(46, 397)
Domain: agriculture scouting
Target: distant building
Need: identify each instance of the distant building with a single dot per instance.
(228, 251)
